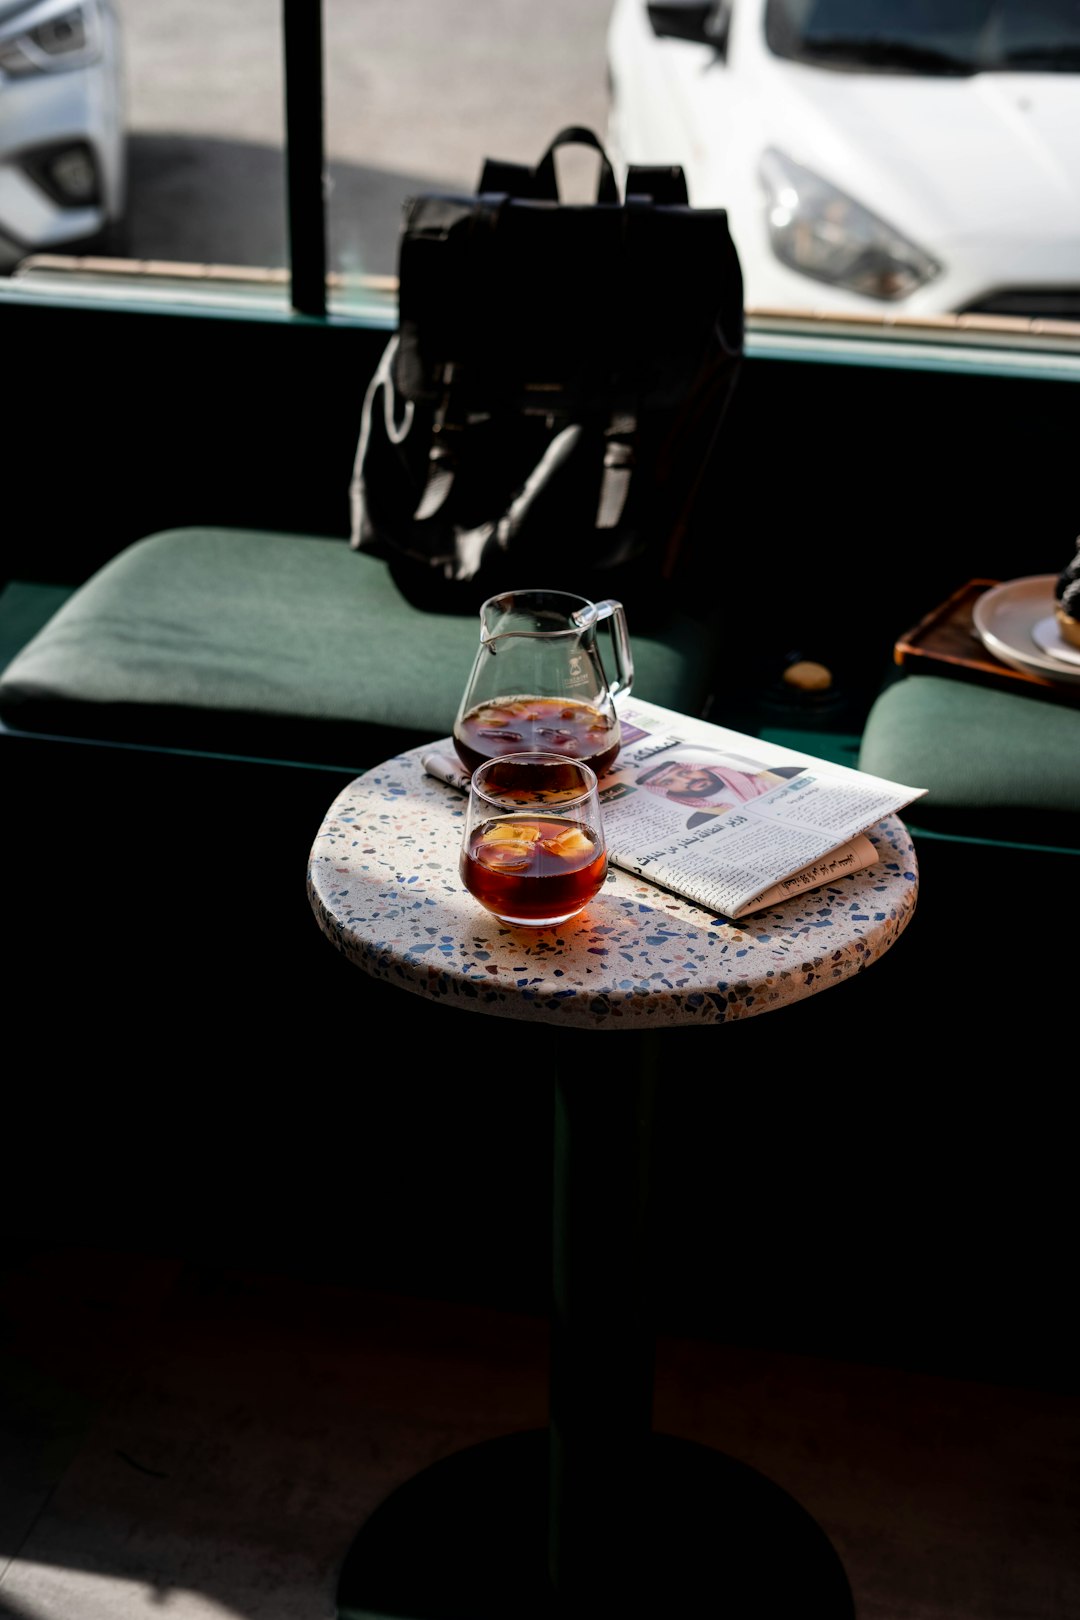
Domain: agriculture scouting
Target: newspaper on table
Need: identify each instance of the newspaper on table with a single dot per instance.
(732, 822)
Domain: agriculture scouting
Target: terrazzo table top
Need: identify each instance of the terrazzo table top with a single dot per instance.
(383, 884)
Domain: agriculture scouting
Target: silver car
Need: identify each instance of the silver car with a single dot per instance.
(63, 178)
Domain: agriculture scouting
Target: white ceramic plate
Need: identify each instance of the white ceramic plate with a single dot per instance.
(1047, 635)
(1006, 618)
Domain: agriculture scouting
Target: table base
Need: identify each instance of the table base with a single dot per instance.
(466, 1539)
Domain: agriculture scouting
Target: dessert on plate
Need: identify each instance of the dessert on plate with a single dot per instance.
(1067, 600)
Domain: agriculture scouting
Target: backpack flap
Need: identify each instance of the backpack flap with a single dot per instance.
(555, 308)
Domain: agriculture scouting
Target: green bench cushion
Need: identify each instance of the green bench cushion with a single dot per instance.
(997, 764)
(269, 645)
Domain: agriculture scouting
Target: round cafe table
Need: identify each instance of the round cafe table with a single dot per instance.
(599, 1513)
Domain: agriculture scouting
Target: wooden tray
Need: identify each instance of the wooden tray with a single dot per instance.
(945, 642)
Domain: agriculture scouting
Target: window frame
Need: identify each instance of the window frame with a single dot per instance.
(305, 153)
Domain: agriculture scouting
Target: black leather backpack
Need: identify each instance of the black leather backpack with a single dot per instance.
(546, 409)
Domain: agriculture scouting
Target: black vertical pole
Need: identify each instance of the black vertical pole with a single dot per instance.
(603, 1338)
(304, 154)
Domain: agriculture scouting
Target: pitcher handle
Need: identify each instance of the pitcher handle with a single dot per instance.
(620, 642)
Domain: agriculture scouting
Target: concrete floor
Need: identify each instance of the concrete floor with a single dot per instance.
(202, 1445)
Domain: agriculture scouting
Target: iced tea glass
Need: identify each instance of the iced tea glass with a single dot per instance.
(533, 852)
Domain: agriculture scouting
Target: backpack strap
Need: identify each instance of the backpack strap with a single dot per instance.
(662, 184)
(619, 438)
(451, 413)
(541, 183)
(607, 187)
(442, 464)
(647, 186)
(509, 179)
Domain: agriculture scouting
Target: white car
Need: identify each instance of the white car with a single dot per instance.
(63, 174)
(875, 156)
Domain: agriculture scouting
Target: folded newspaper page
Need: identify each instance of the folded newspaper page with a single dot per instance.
(727, 820)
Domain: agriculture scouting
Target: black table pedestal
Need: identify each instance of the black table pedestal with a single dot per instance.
(596, 1515)
(466, 1539)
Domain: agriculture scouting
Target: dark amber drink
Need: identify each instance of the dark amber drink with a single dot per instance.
(514, 725)
(533, 868)
(533, 850)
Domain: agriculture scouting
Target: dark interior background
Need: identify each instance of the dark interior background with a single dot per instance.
(881, 1173)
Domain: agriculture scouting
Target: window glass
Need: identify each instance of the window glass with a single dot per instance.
(147, 128)
(911, 159)
(420, 92)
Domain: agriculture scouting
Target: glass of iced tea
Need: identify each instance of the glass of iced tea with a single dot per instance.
(533, 851)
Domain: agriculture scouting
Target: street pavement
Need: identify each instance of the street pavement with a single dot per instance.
(418, 93)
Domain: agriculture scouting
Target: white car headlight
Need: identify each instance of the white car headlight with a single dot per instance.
(52, 36)
(823, 233)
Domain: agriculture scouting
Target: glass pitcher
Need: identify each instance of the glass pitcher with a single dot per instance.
(538, 682)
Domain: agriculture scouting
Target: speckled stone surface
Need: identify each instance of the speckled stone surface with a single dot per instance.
(383, 884)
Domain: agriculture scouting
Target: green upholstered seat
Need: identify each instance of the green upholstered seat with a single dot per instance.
(269, 645)
(997, 764)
